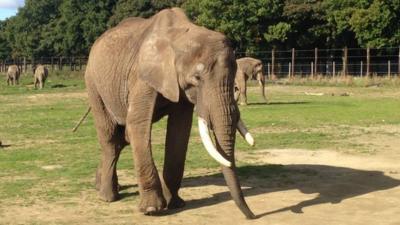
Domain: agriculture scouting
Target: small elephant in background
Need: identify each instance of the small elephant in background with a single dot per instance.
(248, 67)
(13, 75)
(40, 73)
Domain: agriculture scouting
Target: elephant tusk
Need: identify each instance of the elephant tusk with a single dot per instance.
(245, 133)
(208, 144)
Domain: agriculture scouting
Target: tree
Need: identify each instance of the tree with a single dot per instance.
(378, 25)
(24, 31)
(245, 22)
(139, 8)
(5, 49)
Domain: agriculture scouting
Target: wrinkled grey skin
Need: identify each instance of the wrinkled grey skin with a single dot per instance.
(13, 75)
(41, 74)
(248, 68)
(145, 69)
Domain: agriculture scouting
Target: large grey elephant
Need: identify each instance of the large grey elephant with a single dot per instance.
(13, 74)
(40, 75)
(145, 69)
(248, 68)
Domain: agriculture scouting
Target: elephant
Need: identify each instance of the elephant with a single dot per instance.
(248, 67)
(145, 69)
(13, 75)
(40, 75)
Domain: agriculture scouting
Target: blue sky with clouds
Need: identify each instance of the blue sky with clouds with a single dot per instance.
(9, 7)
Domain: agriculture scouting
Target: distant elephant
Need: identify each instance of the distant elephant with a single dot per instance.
(145, 69)
(41, 74)
(248, 68)
(13, 75)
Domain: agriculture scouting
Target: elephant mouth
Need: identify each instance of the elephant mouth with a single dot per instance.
(209, 145)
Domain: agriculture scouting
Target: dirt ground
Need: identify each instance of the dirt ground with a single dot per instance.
(309, 187)
(282, 187)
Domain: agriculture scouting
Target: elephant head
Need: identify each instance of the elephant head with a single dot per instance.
(185, 62)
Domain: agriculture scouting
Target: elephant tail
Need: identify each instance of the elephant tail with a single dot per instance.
(82, 119)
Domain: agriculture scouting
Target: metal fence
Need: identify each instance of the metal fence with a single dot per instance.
(330, 62)
(280, 64)
(53, 63)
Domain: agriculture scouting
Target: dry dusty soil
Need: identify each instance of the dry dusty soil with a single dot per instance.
(308, 187)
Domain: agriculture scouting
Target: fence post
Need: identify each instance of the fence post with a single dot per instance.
(25, 66)
(389, 69)
(61, 63)
(344, 59)
(33, 63)
(312, 69)
(316, 61)
(52, 63)
(334, 69)
(269, 71)
(368, 61)
(398, 65)
(273, 63)
(361, 68)
(290, 72)
(293, 62)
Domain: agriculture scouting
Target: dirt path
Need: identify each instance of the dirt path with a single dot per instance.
(285, 187)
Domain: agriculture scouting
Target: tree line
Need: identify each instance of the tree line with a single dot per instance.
(69, 27)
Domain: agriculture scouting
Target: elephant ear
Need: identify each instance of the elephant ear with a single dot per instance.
(157, 66)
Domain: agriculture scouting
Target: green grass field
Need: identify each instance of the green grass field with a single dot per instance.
(35, 127)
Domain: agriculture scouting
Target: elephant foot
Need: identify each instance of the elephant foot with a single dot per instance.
(243, 103)
(152, 203)
(108, 195)
(176, 203)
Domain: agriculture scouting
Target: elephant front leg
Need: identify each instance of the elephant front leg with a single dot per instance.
(36, 83)
(139, 123)
(178, 132)
(243, 93)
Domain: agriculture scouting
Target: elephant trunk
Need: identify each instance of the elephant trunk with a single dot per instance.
(261, 81)
(224, 119)
(234, 187)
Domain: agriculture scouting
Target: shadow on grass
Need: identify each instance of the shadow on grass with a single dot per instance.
(59, 86)
(332, 184)
(288, 103)
(4, 146)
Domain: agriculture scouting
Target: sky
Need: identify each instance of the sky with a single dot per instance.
(9, 7)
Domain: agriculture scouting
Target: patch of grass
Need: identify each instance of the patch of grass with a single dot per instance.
(37, 125)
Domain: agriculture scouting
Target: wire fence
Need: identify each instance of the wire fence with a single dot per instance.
(53, 63)
(329, 62)
(277, 63)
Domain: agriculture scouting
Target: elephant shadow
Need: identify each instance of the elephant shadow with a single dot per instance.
(332, 184)
(58, 86)
(277, 103)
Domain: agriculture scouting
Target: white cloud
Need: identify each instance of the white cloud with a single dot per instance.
(11, 4)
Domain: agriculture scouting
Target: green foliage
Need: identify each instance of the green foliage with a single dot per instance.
(378, 25)
(139, 8)
(70, 27)
(24, 31)
(243, 21)
(5, 49)
(278, 32)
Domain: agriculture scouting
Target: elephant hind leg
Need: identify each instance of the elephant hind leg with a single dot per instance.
(112, 140)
